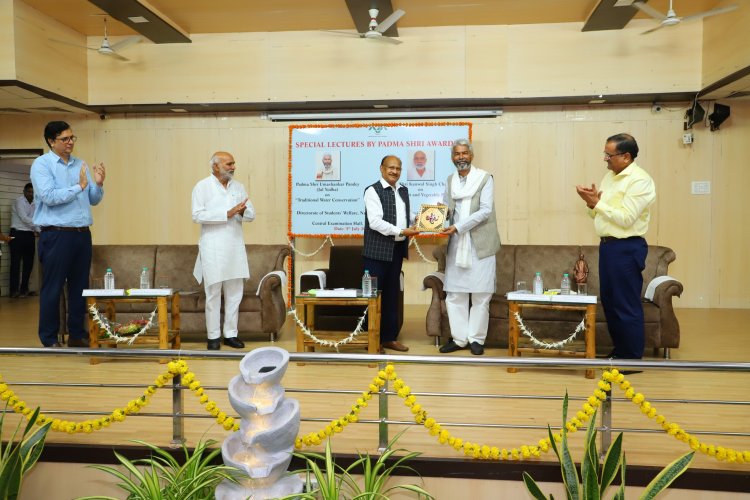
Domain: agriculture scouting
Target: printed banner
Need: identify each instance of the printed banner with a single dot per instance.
(330, 166)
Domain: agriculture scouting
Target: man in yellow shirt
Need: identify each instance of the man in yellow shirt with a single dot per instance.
(621, 212)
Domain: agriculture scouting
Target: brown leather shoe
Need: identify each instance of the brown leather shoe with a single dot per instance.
(395, 345)
(77, 342)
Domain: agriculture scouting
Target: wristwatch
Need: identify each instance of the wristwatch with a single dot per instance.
(401, 233)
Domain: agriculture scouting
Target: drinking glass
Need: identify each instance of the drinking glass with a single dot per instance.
(582, 289)
(521, 287)
(374, 281)
(162, 281)
(97, 283)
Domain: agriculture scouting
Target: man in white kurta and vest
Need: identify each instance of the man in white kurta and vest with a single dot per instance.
(474, 241)
(386, 244)
(220, 205)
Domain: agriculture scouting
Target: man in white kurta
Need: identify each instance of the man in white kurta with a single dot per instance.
(220, 205)
(474, 241)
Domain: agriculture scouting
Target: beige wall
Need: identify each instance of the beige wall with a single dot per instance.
(441, 62)
(45, 55)
(7, 45)
(456, 62)
(726, 48)
(536, 154)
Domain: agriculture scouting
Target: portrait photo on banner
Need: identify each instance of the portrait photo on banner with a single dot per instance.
(327, 165)
(420, 165)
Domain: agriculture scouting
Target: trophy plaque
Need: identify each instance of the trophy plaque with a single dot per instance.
(432, 218)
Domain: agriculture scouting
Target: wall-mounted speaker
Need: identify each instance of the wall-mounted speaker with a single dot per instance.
(694, 114)
(720, 114)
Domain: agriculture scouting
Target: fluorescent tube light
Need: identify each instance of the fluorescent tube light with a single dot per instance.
(382, 115)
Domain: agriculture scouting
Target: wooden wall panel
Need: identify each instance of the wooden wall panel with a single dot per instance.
(443, 62)
(44, 54)
(537, 156)
(725, 43)
(558, 59)
(7, 42)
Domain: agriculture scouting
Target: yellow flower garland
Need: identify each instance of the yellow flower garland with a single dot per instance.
(476, 450)
(484, 451)
(132, 407)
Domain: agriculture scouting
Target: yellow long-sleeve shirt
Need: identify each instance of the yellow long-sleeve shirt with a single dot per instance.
(623, 209)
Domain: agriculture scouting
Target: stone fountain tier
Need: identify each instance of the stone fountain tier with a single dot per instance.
(256, 462)
(262, 448)
(250, 400)
(265, 365)
(267, 431)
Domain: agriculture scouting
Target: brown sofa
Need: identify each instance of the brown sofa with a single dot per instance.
(173, 265)
(520, 262)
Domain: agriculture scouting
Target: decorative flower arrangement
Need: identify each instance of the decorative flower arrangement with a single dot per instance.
(121, 333)
(330, 343)
(475, 450)
(119, 414)
(546, 345)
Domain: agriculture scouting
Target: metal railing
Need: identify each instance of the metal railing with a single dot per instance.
(383, 421)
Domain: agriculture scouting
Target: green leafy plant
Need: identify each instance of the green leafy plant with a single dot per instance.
(162, 477)
(16, 458)
(595, 480)
(333, 482)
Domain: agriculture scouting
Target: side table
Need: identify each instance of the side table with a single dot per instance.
(305, 309)
(158, 296)
(517, 301)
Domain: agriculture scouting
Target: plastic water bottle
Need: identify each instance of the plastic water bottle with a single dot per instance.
(366, 284)
(109, 280)
(145, 279)
(565, 285)
(538, 284)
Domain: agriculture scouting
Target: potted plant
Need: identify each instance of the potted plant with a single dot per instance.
(16, 458)
(333, 482)
(595, 479)
(162, 476)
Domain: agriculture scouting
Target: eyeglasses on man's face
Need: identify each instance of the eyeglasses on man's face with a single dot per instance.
(608, 156)
(67, 139)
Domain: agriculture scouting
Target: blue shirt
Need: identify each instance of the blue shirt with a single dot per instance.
(58, 197)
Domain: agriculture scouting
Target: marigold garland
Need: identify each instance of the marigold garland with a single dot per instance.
(475, 450)
(119, 414)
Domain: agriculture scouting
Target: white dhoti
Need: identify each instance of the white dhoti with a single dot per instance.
(232, 298)
(468, 324)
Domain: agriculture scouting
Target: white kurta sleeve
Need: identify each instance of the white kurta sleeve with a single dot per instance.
(206, 208)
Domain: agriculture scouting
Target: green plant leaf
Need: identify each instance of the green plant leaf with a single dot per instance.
(567, 466)
(533, 488)
(612, 463)
(590, 463)
(667, 476)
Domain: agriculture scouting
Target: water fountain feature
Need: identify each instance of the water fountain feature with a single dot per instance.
(263, 446)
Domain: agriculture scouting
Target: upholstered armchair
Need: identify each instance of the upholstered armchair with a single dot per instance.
(344, 270)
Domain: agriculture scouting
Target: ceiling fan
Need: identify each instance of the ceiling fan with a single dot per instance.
(672, 19)
(377, 29)
(107, 49)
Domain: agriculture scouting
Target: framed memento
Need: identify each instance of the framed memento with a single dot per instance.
(432, 218)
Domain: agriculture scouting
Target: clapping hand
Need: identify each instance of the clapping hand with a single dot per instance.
(589, 195)
(99, 174)
(83, 179)
(237, 209)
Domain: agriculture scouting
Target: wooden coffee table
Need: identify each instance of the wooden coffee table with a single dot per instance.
(109, 298)
(305, 309)
(586, 303)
